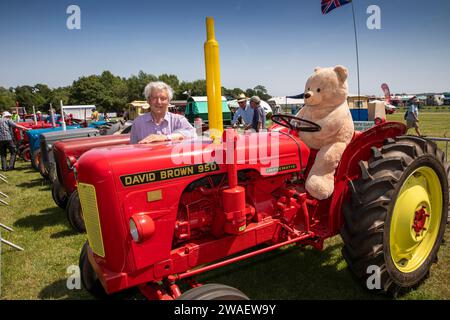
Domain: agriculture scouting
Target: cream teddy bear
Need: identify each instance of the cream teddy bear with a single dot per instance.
(326, 104)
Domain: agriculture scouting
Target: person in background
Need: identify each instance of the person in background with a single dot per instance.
(159, 124)
(412, 117)
(277, 109)
(259, 115)
(95, 116)
(125, 115)
(15, 116)
(6, 140)
(245, 112)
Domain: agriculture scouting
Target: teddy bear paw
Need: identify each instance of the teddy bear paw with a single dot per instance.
(319, 188)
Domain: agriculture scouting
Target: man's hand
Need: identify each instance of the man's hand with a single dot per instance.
(153, 138)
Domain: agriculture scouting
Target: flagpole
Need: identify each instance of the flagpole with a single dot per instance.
(357, 51)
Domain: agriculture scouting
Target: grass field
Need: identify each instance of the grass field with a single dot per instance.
(40, 272)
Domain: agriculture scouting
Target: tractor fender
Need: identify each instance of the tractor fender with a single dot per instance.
(360, 148)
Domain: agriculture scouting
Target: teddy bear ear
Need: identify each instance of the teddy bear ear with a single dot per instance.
(342, 72)
(317, 69)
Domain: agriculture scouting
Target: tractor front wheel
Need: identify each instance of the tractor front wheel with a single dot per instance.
(88, 276)
(213, 291)
(36, 159)
(75, 213)
(59, 195)
(397, 213)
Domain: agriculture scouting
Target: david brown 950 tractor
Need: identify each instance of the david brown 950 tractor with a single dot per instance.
(152, 223)
(156, 216)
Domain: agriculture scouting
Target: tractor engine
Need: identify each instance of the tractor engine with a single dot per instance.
(207, 207)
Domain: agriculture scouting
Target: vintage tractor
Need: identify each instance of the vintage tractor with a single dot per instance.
(21, 138)
(158, 214)
(64, 188)
(34, 137)
(47, 167)
(152, 221)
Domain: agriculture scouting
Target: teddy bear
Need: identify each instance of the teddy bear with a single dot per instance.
(326, 104)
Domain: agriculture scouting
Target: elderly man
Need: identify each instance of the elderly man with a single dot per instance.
(259, 115)
(244, 111)
(159, 124)
(6, 140)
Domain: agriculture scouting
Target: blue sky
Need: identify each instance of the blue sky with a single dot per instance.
(273, 43)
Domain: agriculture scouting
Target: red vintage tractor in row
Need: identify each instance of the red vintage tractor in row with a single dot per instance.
(154, 221)
(64, 188)
(22, 141)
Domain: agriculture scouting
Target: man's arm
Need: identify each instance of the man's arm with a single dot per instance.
(16, 125)
(183, 130)
(133, 134)
(236, 116)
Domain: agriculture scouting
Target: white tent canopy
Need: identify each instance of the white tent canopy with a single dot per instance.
(283, 101)
(79, 112)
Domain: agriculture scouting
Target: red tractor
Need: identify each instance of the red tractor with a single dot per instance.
(152, 221)
(64, 188)
(22, 141)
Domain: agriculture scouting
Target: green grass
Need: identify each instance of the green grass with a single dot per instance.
(51, 246)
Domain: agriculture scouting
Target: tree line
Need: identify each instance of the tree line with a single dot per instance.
(109, 93)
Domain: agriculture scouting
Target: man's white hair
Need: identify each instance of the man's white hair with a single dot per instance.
(158, 85)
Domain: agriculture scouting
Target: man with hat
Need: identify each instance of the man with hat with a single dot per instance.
(6, 140)
(412, 117)
(245, 112)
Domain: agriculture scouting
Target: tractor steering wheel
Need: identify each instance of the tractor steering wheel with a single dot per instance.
(295, 123)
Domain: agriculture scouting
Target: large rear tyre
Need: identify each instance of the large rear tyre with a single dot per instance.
(75, 213)
(59, 195)
(397, 213)
(213, 291)
(89, 278)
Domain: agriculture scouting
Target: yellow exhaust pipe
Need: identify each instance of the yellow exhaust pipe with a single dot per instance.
(213, 85)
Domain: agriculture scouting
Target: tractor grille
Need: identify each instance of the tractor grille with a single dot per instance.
(89, 207)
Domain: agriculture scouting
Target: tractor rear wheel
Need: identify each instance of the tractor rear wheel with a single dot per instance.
(397, 213)
(213, 291)
(89, 278)
(75, 213)
(59, 195)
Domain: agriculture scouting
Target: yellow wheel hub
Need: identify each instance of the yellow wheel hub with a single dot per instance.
(416, 219)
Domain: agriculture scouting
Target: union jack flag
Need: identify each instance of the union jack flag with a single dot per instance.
(328, 5)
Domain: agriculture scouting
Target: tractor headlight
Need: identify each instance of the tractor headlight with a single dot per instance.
(75, 173)
(71, 160)
(142, 227)
(134, 231)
